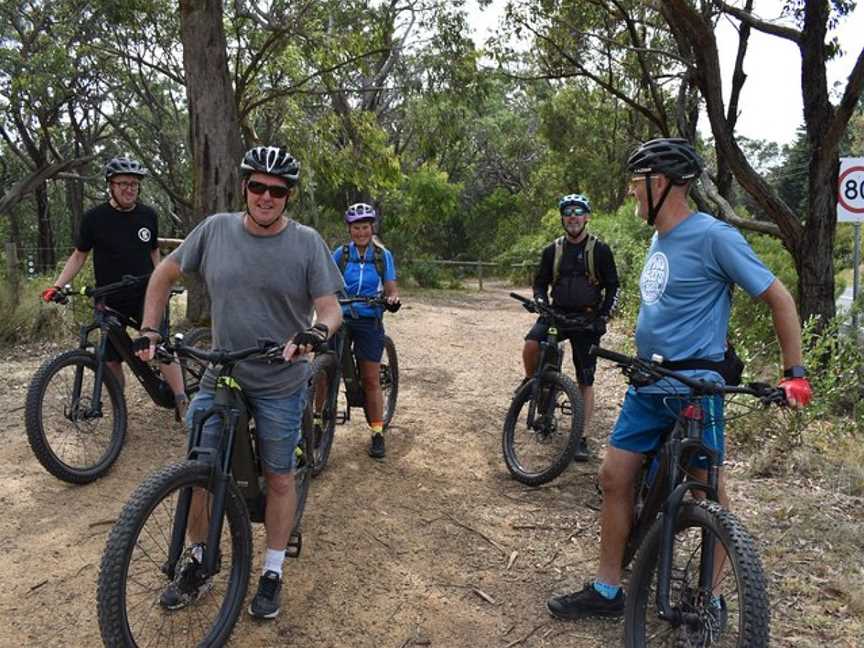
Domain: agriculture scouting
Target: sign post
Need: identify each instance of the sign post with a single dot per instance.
(850, 209)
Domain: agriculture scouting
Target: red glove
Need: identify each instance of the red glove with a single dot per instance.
(53, 294)
(798, 391)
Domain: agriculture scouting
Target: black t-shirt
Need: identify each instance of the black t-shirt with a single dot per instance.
(574, 291)
(122, 242)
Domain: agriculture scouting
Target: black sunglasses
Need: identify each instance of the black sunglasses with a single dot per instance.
(276, 191)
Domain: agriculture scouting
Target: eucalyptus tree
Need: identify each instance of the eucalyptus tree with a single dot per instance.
(807, 234)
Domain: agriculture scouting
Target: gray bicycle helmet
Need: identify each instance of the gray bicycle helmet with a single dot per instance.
(674, 157)
(578, 200)
(124, 166)
(271, 160)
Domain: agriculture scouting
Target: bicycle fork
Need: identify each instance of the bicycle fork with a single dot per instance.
(686, 449)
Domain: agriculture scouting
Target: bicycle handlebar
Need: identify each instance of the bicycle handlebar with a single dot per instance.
(128, 281)
(377, 300)
(644, 371)
(562, 319)
(265, 349)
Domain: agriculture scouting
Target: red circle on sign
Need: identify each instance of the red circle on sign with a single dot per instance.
(854, 210)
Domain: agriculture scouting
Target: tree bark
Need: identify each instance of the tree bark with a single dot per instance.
(45, 254)
(215, 140)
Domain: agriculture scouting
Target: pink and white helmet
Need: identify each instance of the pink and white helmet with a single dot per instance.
(360, 212)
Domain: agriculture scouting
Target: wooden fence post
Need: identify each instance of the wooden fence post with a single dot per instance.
(12, 277)
(480, 274)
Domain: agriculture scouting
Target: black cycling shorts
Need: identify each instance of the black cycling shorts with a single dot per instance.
(580, 343)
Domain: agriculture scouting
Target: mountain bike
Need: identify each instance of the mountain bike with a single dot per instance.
(694, 559)
(73, 432)
(147, 548)
(339, 362)
(544, 424)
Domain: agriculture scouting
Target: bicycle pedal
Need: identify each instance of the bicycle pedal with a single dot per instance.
(295, 544)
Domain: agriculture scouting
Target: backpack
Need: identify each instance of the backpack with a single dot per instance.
(590, 259)
(377, 258)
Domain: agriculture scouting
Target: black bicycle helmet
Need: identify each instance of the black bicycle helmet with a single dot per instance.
(124, 166)
(674, 157)
(271, 160)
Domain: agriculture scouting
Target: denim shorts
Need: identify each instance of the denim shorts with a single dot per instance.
(277, 426)
(368, 336)
(645, 418)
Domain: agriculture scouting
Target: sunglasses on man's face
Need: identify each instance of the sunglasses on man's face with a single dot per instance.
(276, 191)
(573, 211)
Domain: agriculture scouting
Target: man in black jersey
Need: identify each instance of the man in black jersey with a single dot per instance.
(123, 235)
(581, 272)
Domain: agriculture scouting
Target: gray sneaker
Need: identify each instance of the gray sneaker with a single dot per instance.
(188, 585)
(265, 605)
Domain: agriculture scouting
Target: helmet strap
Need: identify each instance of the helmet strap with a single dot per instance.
(654, 210)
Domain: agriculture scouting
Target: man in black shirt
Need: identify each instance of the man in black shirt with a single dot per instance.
(123, 235)
(581, 272)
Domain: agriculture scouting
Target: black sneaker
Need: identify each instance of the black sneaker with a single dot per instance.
(188, 585)
(587, 602)
(581, 454)
(265, 605)
(376, 447)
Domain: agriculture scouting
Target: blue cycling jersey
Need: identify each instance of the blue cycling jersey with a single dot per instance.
(362, 279)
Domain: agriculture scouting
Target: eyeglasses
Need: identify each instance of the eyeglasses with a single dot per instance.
(123, 184)
(276, 191)
(573, 211)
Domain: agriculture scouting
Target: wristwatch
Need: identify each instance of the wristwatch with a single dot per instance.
(795, 371)
(148, 329)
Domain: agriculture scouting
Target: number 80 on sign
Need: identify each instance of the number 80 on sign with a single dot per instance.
(850, 194)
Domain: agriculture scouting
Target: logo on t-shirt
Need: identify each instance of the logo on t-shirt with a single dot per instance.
(655, 274)
(144, 234)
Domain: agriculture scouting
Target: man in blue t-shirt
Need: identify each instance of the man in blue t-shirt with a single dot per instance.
(368, 270)
(692, 264)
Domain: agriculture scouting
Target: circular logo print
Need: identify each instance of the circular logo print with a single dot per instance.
(655, 274)
(144, 234)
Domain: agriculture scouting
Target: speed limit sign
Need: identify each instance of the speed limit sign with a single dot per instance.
(850, 191)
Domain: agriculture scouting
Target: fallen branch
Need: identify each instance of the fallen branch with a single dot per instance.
(516, 642)
(479, 533)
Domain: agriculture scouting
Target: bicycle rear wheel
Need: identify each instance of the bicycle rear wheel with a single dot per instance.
(388, 377)
(68, 437)
(135, 567)
(192, 368)
(323, 374)
(736, 613)
(539, 452)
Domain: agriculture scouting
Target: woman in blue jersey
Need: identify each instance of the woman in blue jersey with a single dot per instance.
(368, 270)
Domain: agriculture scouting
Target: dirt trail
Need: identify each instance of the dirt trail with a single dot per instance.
(412, 551)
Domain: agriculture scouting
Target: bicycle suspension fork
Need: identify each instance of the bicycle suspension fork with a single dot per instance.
(685, 449)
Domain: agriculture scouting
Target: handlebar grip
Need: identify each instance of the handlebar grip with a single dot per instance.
(609, 355)
(519, 297)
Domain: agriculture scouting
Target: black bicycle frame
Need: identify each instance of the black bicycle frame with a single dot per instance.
(551, 358)
(231, 408)
(112, 326)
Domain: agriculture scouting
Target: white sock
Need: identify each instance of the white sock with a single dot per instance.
(273, 561)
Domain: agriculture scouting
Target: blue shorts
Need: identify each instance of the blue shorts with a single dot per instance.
(277, 426)
(368, 336)
(645, 418)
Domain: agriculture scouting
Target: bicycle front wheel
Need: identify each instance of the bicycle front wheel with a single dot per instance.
(542, 430)
(732, 611)
(388, 377)
(135, 567)
(75, 439)
(323, 374)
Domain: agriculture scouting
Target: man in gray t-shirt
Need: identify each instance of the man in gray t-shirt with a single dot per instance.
(266, 276)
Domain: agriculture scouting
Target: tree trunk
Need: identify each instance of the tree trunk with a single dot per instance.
(75, 206)
(214, 123)
(46, 256)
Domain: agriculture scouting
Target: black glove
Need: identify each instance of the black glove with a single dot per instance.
(598, 326)
(314, 337)
(392, 308)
